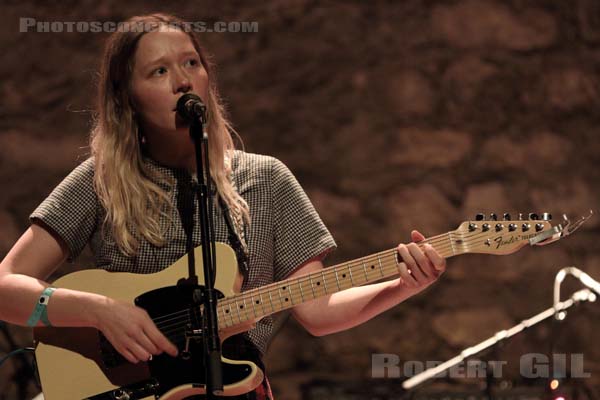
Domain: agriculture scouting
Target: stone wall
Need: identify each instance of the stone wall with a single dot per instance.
(394, 116)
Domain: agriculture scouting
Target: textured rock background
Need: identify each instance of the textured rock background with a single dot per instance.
(394, 116)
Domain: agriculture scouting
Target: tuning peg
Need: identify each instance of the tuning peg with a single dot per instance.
(533, 216)
(480, 217)
(493, 217)
(506, 216)
(547, 216)
(472, 227)
(539, 227)
(512, 227)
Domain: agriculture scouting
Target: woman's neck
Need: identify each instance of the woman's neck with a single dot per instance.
(174, 155)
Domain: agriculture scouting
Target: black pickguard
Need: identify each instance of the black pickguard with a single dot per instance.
(170, 308)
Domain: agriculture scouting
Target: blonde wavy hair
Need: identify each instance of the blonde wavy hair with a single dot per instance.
(130, 192)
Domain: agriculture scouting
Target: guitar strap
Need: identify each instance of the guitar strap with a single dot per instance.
(186, 190)
(185, 204)
(237, 242)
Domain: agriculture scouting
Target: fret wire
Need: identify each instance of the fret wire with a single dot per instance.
(271, 299)
(312, 286)
(337, 281)
(231, 316)
(246, 316)
(365, 271)
(324, 283)
(280, 299)
(253, 304)
(350, 271)
(262, 303)
(288, 288)
(232, 309)
(224, 316)
(300, 286)
(380, 267)
(237, 309)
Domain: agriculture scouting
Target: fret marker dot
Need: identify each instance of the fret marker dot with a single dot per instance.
(318, 283)
(343, 275)
(286, 299)
(241, 306)
(257, 302)
(227, 311)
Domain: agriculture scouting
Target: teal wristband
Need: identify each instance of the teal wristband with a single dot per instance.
(40, 312)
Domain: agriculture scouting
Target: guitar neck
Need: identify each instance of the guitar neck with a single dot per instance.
(255, 304)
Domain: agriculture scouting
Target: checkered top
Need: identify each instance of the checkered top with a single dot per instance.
(284, 233)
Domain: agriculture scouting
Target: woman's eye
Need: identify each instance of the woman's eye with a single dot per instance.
(160, 71)
(192, 62)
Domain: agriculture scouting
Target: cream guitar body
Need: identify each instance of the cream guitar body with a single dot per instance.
(78, 363)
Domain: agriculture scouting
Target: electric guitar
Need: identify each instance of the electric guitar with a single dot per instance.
(79, 363)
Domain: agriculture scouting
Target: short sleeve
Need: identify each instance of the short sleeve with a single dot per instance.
(70, 210)
(300, 234)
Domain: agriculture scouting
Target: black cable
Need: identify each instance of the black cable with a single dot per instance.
(25, 372)
(15, 352)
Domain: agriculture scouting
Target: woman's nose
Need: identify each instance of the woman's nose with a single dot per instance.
(182, 83)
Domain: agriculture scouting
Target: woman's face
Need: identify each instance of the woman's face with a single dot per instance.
(166, 66)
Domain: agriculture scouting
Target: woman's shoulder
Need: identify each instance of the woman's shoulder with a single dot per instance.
(82, 172)
(86, 165)
(258, 171)
(251, 163)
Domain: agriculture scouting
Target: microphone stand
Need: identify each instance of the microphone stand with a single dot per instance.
(206, 296)
(556, 309)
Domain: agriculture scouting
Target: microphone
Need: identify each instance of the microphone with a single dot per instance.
(587, 280)
(191, 108)
(582, 277)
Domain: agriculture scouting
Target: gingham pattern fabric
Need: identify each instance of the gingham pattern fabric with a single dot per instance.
(284, 233)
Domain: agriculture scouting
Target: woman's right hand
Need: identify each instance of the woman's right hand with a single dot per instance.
(131, 331)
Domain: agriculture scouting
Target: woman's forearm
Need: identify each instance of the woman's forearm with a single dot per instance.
(19, 295)
(352, 307)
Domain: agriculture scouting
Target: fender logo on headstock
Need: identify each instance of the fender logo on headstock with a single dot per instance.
(513, 239)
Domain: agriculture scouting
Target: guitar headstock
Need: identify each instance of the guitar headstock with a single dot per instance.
(491, 235)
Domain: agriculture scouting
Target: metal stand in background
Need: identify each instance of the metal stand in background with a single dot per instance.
(24, 372)
(557, 311)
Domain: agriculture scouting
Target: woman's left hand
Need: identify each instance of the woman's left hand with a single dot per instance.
(420, 265)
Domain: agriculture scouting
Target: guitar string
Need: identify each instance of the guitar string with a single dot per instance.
(432, 240)
(224, 302)
(250, 296)
(248, 315)
(373, 259)
(382, 253)
(370, 260)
